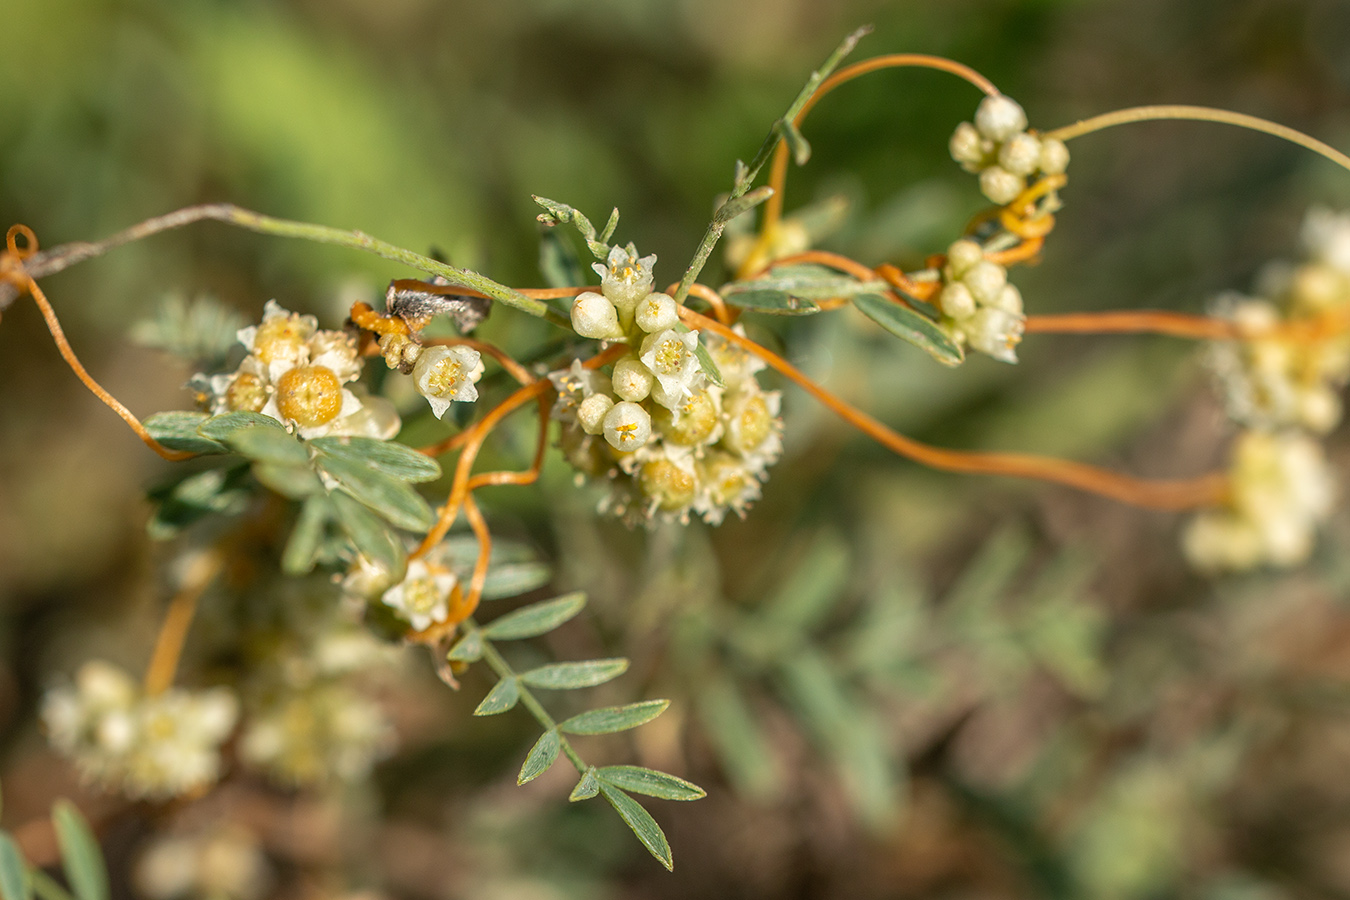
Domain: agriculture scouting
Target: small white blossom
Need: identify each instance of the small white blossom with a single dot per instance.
(1054, 156)
(445, 374)
(1326, 237)
(574, 385)
(592, 411)
(627, 278)
(656, 312)
(628, 427)
(1020, 154)
(423, 596)
(1000, 185)
(632, 379)
(672, 358)
(999, 117)
(594, 316)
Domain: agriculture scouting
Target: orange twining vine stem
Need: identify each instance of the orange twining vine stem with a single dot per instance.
(773, 207)
(12, 270)
(1207, 490)
(1141, 320)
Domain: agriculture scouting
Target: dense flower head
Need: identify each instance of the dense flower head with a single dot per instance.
(299, 375)
(1281, 489)
(980, 309)
(1002, 152)
(152, 746)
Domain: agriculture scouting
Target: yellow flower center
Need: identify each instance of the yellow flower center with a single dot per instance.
(247, 392)
(309, 395)
(279, 339)
(666, 483)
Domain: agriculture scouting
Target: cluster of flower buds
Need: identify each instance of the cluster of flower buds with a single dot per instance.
(1281, 383)
(979, 307)
(668, 440)
(304, 377)
(1005, 155)
(155, 747)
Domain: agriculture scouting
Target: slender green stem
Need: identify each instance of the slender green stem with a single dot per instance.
(45, 886)
(504, 671)
(51, 261)
(745, 175)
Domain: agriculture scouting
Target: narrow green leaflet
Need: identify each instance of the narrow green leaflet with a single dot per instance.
(569, 675)
(709, 367)
(394, 500)
(80, 854)
(804, 281)
(369, 535)
(295, 482)
(742, 204)
(272, 445)
(386, 457)
(13, 874)
(467, 649)
(542, 755)
(640, 780)
(178, 431)
(801, 149)
(909, 325)
(586, 788)
(514, 579)
(773, 301)
(303, 546)
(642, 823)
(610, 719)
(535, 619)
(219, 428)
(503, 696)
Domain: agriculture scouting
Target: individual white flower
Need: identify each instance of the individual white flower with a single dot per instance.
(753, 427)
(423, 596)
(1054, 156)
(574, 384)
(626, 279)
(628, 427)
(1020, 154)
(594, 316)
(698, 422)
(725, 482)
(656, 312)
(632, 379)
(1000, 185)
(735, 363)
(311, 400)
(668, 483)
(281, 341)
(592, 411)
(995, 332)
(999, 117)
(969, 148)
(1326, 237)
(445, 374)
(672, 358)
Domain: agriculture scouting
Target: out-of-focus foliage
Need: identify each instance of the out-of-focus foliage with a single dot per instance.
(891, 682)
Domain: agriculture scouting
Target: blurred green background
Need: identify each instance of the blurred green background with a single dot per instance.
(893, 683)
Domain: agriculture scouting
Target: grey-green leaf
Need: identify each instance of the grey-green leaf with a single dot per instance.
(503, 696)
(272, 445)
(542, 755)
(303, 546)
(535, 619)
(81, 857)
(742, 204)
(641, 780)
(13, 873)
(709, 367)
(514, 579)
(801, 149)
(467, 649)
(390, 458)
(178, 431)
(610, 719)
(371, 537)
(773, 301)
(570, 675)
(642, 823)
(911, 326)
(394, 500)
(295, 482)
(219, 428)
(586, 788)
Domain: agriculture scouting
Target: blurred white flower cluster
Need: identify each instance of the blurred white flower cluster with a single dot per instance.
(980, 309)
(1281, 383)
(225, 862)
(668, 441)
(152, 747)
(1005, 155)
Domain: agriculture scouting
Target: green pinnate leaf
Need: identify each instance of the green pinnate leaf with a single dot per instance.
(392, 499)
(302, 548)
(542, 755)
(390, 458)
(467, 649)
(642, 824)
(911, 326)
(371, 537)
(178, 431)
(535, 619)
(13, 873)
(571, 675)
(261, 443)
(587, 787)
(220, 428)
(641, 780)
(514, 579)
(81, 857)
(610, 719)
(295, 482)
(503, 696)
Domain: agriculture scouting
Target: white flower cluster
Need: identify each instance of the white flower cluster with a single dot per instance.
(154, 747)
(999, 148)
(226, 862)
(1282, 382)
(979, 307)
(1281, 488)
(298, 375)
(307, 723)
(669, 441)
